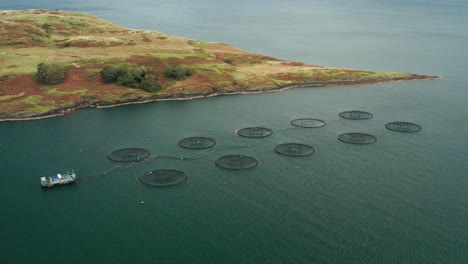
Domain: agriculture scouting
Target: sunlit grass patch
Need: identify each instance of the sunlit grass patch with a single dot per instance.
(23, 65)
(375, 75)
(33, 104)
(7, 97)
(93, 41)
(213, 67)
(173, 56)
(37, 19)
(56, 92)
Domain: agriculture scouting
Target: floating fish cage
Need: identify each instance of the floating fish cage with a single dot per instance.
(405, 127)
(197, 142)
(308, 122)
(356, 115)
(236, 162)
(254, 132)
(357, 138)
(294, 149)
(129, 155)
(163, 178)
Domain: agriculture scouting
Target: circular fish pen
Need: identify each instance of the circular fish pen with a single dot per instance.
(355, 115)
(294, 149)
(129, 155)
(405, 127)
(236, 162)
(254, 132)
(163, 178)
(197, 142)
(357, 138)
(308, 122)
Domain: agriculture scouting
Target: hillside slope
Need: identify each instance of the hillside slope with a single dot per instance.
(84, 45)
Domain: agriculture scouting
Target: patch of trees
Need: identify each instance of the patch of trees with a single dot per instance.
(134, 76)
(130, 75)
(50, 73)
(178, 72)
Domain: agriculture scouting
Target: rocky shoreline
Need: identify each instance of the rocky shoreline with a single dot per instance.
(214, 92)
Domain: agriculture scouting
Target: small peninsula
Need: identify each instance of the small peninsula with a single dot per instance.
(102, 65)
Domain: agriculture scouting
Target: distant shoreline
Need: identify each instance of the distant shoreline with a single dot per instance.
(178, 97)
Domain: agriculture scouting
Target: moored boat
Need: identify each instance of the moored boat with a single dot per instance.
(59, 179)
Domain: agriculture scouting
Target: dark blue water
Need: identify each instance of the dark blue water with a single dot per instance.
(401, 200)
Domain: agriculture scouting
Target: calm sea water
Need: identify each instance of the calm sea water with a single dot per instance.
(401, 200)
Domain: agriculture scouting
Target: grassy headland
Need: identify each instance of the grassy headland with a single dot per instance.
(83, 45)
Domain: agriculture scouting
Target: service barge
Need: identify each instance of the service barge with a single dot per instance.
(59, 179)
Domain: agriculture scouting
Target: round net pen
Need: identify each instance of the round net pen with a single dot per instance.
(404, 127)
(308, 122)
(357, 138)
(129, 155)
(163, 178)
(355, 115)
(197, 142)
(236, 162)
(254, 132)
(294, 149)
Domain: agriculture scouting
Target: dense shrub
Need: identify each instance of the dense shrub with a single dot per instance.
(177, 72)
(46, 27)
(109, 74)
(150, 84)
(130, 75)
(50, 73)
(228, 61)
